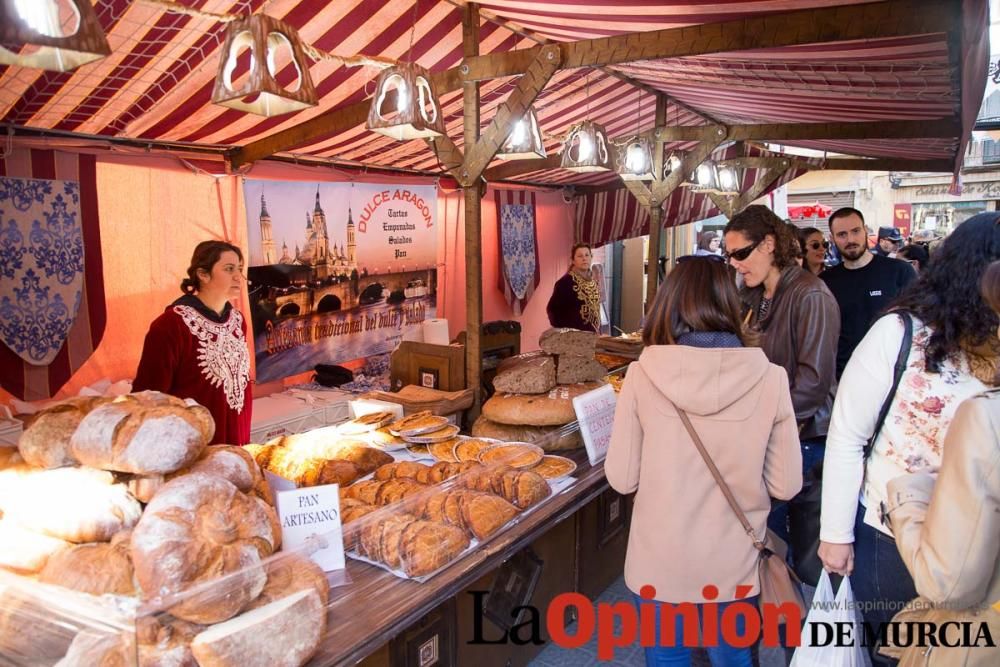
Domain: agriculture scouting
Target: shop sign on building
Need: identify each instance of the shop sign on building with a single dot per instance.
(901, 218)
(346, 282)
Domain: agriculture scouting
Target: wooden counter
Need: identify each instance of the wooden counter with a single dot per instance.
(376, 606)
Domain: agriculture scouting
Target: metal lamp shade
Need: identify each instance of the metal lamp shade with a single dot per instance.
(586, 149)
(405, 106)
(525, 140)
(728, 179)
(261, 93)
(34, 33)
(635, 160)
(704, 178)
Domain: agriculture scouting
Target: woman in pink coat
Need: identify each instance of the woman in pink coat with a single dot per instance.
(684, 534)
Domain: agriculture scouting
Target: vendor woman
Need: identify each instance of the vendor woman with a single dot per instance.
(576, 297)
(197, 348)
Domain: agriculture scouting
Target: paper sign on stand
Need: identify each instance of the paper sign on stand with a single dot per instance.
(595, 411)
(310, 513)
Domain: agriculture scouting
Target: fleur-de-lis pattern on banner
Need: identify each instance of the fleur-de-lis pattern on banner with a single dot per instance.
(41, 263)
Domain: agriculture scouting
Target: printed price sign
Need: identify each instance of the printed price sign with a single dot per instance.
(313, 514)
(595, 411)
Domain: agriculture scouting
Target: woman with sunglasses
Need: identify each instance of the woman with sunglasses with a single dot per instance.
(797, 321)
(814, 248)
(696, 361)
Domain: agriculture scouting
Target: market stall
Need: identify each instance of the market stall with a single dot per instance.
(160, 128)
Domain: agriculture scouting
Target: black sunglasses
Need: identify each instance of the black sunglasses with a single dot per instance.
(741, 254)
(712, 258)
(816, 245)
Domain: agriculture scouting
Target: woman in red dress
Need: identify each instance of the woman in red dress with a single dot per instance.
(197, 348)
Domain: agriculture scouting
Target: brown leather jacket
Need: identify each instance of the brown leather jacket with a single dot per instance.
(800, 333)
(948, 534)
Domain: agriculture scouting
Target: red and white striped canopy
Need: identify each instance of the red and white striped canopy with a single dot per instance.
(157, 83)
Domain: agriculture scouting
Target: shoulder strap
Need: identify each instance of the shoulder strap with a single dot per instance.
(718, 479)
(901, 358)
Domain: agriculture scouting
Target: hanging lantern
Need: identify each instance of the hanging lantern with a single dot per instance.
(525, 140)
(704, 178)
(267, 39)
(404, 105)
(586, 149)
(671, 164)
(635, 160)
(57, 35)
(728, 180)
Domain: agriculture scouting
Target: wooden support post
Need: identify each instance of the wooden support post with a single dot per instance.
(653, 256)
(763, 183)
(473, 225)
(723, 203)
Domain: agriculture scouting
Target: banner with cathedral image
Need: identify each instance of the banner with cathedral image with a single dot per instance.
(338, 271)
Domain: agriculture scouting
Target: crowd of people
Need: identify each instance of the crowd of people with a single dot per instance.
(850, 408)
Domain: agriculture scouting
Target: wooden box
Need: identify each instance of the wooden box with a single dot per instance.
(426, 365)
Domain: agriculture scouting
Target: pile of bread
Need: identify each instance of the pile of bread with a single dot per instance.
(318, 457)
(428, 526)
(534, 391)
(122, 499)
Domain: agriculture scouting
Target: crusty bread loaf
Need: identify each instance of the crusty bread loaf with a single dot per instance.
(26, 551)
(574, 369)
(514, 361)
(73, 504)
(9, 456)
(91, 648)
(552, 409)
(45, 441)
(96, 568)
(532, 375)
(569, 341)
(229, 462)
(144, 433)
(284, 633)
(144, 487)
(197, 528)
(549, 438)
(289, 573)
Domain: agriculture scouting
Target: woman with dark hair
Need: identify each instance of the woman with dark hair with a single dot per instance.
(953, 355)
(814, 248)
(708, 244)
(695, 362)
(916, 255)
(794, 313)
(948, 529)
(197, 348)
(576, 298)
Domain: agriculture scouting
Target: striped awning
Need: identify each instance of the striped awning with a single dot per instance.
(157, 84)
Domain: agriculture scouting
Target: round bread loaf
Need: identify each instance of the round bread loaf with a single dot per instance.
(197, 528)
(228, 462)
(45, 441)
(549, 438)
(552, 409)
(95, 568)
(144, 433)
(289, 573)
(25, 551)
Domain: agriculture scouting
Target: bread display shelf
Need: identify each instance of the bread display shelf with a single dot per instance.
(557, 486)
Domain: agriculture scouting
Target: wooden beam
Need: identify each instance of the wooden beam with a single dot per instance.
(894, 129)
(663, 189)
(513, 109)
(723, 203)
(473, 226)
(653, 254)
(448, 154)
(641, 192)
(764, 181)
(660, 119)
(843, 163)
(513, 168)
(895, 18)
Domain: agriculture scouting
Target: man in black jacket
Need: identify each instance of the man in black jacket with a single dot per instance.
(864, 284)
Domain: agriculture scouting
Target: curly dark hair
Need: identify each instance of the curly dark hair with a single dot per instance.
(756, 222)
(945, 296)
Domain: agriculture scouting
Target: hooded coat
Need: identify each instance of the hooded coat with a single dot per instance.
(684, 535)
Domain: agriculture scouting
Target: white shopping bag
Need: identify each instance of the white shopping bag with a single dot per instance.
(831, 636)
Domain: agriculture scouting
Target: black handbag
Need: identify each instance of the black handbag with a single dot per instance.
(804, 509)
